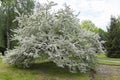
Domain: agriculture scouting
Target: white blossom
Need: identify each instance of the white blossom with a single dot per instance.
(56, 36)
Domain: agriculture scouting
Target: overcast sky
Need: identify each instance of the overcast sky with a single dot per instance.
(98, 11)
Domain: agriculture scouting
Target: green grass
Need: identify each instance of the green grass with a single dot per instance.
(39, 71)
(103, 59)
(103, 56)
(46, 71)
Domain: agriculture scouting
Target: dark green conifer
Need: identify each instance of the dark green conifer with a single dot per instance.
(113, 38)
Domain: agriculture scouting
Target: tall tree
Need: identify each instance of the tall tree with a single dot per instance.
(57, 37)
(9, 8)
(2, 30)
(113, 38)
(88, 25)
(103, 37)
(102, 34)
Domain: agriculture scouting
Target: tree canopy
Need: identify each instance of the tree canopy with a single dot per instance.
(88, 25)
(113, 38)
(8, 9)
(55, 36)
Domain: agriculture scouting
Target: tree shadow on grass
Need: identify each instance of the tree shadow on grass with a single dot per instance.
(51, 68)
(47, 71)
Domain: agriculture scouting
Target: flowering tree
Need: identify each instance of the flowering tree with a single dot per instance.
(55, 36)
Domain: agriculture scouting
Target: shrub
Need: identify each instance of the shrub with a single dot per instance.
(55, 36)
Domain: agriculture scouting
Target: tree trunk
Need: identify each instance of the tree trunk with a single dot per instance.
(92, 74)
(8, 29)
(8, 39)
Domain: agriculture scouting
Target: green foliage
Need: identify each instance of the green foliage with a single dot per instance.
(113, 38)
(88, 25)
(24, 6)
(55, 36)
(2, 30)
(8, 9)
(5, 3)
(103, 37)
(102, 34)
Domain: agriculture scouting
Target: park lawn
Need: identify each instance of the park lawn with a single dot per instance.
(47, 71)
(39, 71)
(103, 56)
(103, 59)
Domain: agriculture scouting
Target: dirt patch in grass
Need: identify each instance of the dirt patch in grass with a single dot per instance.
(107, 72)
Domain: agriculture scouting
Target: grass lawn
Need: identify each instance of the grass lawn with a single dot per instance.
(108, 61)
(49, 71)
(103, 56)
(39, 71)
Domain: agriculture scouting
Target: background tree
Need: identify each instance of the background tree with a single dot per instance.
(103, 37)
(2, 31)
(9, 9)
(102, 34)
(88, 25)
(113, 38)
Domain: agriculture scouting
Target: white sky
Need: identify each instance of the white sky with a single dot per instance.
(98, 11)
